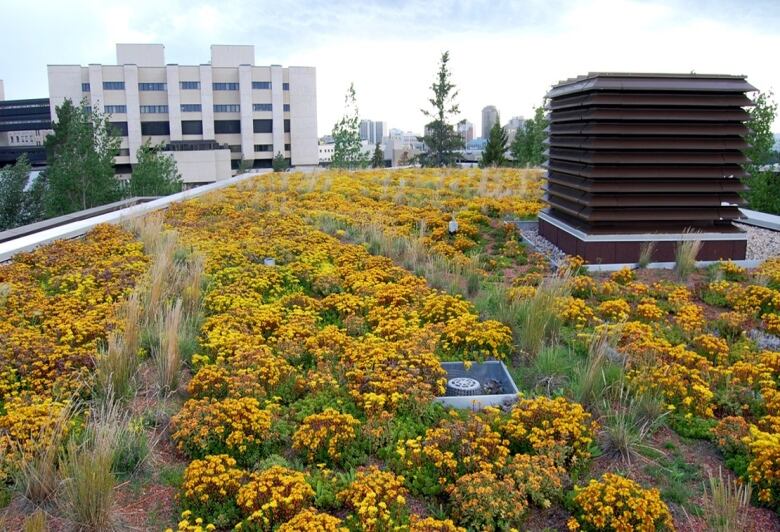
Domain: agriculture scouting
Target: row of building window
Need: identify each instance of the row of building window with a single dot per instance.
(192, 108)
(195, 127)
(185, 85)
(268, 147)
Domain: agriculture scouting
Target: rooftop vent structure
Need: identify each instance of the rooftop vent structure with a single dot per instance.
(634, 158)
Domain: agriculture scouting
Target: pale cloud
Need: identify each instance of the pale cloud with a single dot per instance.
(505, 53)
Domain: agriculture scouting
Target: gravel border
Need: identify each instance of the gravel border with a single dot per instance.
(761, 243)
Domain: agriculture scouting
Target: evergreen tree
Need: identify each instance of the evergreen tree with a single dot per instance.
(378, 160)
(528, 147)
(155, 174)
(13, 180)
(763, 192)
(280, 164)
(348, 150)
(441, 138)
(80, 155)
(495, 149)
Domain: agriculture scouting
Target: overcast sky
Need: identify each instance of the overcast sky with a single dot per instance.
(503, 53)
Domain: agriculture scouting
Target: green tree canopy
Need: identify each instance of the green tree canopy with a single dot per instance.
(280, 164)
(763, 192)
(13, 180)
(494, 153)
(80, 155)
(528, 147)
(348, 150)
(441, 139)
(378, 160)
(155, 174)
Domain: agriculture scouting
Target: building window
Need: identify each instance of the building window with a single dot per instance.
(262, 107)
(287, 147)
(227, 126)
(150, 109)
(227, 108)
(286, 126)
(155, 128)
(225, 86)
(115, 109)
(85, 87)
(263, 147)
(191, 127)
(261, 84)
(263, 126)
(190, 108)
(120, 128)
(87, 109)
(124, 152)
(285, 86)
(287, 108)
(113, 85)
(151, 86)
(235, 148)
(189, 85)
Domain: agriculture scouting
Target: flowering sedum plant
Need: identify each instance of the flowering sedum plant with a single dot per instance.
(617, 503)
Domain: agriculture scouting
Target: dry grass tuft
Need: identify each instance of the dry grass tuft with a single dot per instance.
(167, 356)
(685, 257)
(35, 522)
(729, 497)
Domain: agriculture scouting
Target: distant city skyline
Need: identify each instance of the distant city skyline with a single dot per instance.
(506, 53)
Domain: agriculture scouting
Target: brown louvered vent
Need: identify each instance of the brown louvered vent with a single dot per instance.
(646, 153)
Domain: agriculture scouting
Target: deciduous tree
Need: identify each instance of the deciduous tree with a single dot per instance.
(13, 180)
(763, 192)
(155, 174)
(348, 150)
(528, 147)
(80, 155)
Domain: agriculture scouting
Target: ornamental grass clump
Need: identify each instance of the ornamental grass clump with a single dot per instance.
(87, 470)
(615, 503)
(685, 254)
(729, 499)
(537, 319)
(167, 355)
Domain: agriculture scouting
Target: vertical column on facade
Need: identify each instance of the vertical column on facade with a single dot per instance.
(96, 87)
(245, 100)
(133, 111)
(207, 102)
(174, 100)
(277, 102)
(303, 115)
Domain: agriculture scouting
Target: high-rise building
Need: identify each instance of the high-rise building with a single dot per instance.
(466, 130)
(372, 132)
(230, 104)
(515, 124)
(489, 117)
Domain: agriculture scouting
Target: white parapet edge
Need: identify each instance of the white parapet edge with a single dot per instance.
(760, 219)
(75, 229)
(640, 237)
(750, 264)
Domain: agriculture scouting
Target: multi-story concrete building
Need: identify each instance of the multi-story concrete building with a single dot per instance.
(489, 117)
(229, 108)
